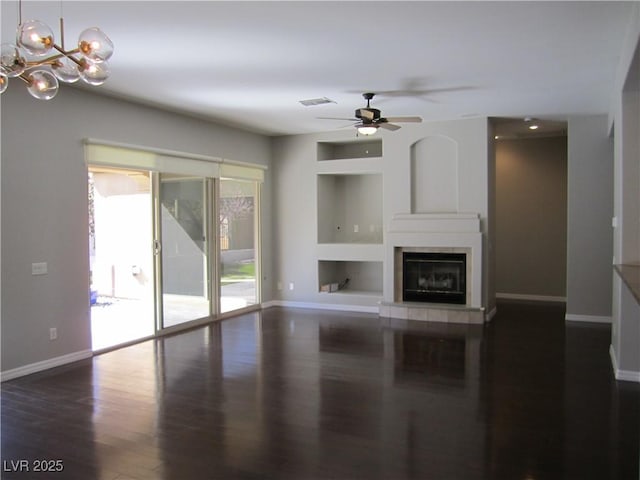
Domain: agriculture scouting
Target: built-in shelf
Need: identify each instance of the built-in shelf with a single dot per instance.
(350, 208)
(349, 149)
(350, 166)
(363, 252)
(350, 241)
(349, 292)
(365, 278)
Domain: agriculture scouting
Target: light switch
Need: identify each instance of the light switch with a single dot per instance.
(39, 268)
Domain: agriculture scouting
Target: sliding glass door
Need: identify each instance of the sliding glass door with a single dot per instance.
(184, 248)
(239, 268)
(174, 239)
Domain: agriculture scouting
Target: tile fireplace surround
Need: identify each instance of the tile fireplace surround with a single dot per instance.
(434, 232)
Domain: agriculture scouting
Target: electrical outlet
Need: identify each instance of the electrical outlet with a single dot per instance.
(39, 268)
(356, 229)
(53, 334)
(290, 285)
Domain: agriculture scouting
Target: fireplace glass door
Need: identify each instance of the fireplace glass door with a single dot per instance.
(434, 277)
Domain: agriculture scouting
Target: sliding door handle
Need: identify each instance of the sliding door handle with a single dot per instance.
(157, 247)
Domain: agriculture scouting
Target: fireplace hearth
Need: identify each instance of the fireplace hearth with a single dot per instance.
(434, 277)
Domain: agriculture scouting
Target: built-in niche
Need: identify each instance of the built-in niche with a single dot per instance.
(353, 277)
(350, 208)
(347, 150)
(434, 175)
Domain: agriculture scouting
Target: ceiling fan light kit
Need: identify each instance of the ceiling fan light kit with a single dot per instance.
(41, 63)
(367, 129)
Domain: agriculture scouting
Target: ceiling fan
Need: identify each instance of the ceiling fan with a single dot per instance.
(369, 119)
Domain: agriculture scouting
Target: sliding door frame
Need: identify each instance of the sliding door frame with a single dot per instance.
(212, 169)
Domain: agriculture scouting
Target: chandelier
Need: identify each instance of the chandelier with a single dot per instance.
(41, 63)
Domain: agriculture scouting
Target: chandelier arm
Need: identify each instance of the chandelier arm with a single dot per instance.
(47, 61)
(25, 78)
(69, 54)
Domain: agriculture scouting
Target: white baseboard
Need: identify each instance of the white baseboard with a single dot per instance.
(489, 316)
(44, 365)
(572, 317)
(270, 304)
(625, 375)
(532, 298)
(322, 306)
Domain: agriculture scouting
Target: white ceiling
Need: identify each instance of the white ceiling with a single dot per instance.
(249, 63)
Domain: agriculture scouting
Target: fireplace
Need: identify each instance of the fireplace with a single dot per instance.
(455, 292)
(434, 277)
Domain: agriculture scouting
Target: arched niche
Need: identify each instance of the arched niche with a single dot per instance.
(434, 175)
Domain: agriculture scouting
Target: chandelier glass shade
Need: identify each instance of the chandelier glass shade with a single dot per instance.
(41, 63)
(367, 129)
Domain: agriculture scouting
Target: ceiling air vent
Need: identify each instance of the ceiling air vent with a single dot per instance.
(316, 101)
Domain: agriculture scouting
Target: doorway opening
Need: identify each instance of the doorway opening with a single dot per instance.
(121, 260)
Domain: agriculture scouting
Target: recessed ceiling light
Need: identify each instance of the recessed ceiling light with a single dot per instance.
(531, 121)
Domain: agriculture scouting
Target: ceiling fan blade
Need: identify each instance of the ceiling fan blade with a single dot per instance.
(418, 87)
(404, 119)
(339, 118)
(389, 126)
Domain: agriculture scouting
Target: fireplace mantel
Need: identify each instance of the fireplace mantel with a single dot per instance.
(435, 223)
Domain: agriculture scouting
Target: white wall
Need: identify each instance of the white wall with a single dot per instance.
(296, 242)
(590, 209)
(625, 115)
(295, 195)
(472, 150)
(474, 167)
(44, 207)
(531, 217)
(295, 228)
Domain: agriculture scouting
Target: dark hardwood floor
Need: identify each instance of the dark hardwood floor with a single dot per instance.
(300, 394)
